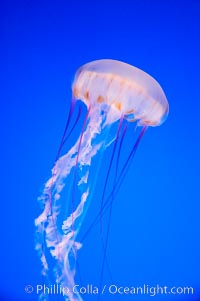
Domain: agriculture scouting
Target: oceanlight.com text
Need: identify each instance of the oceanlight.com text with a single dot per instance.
(112, 289)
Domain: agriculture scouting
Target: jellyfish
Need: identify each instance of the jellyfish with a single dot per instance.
(116, 95)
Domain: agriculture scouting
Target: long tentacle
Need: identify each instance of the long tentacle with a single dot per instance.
(104, 245)
(74, 125)
(71, 110)
(119, 182)
(76, 168)
(109, 169)
(110, 211)
(63, 139)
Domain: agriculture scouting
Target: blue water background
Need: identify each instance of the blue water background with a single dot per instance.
(155, 230)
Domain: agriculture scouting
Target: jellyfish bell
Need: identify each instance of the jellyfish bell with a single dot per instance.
(135, 94)
(112, 91)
